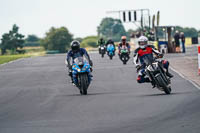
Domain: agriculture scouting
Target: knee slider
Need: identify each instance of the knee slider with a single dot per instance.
(139, 79)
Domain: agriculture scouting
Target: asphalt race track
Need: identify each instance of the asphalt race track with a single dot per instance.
(36, 96)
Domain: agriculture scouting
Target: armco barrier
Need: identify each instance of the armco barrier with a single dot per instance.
(188, 41)
(199, 40)
(52, 52)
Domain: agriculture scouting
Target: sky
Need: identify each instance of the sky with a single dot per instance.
(82, 17)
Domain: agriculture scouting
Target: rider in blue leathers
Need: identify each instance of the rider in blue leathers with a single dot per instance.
(75, 52)
(110, 41)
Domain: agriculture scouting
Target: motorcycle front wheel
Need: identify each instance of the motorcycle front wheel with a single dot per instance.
(83, 83)
(162, 83)
(102, 55)
(111, 57)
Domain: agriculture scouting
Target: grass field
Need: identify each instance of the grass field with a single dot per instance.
(30, 52)
(8, 58)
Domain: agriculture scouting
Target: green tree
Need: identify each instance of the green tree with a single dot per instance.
(111, 28)
(90, 41)
(57, 39)
(189, 32)
(12, 40)
(32, 40)
(79, 39)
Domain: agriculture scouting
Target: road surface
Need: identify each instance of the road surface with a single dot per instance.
(36, 97)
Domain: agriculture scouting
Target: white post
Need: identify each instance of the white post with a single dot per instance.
(199, 58)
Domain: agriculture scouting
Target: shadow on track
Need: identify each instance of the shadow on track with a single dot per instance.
(163, 94)
(91, 94)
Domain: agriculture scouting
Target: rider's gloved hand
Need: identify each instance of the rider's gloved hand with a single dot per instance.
(69, 66)
(70, 70)
(138, 67)
(90, 62)
(160, 55)
(91, 69)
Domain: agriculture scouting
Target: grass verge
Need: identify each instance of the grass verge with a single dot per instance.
(31, 52)
(8, 58)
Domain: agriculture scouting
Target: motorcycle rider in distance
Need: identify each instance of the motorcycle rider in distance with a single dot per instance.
(140, 53)
(75, 52)
(124, 44)
(110, 41)
(101, 43)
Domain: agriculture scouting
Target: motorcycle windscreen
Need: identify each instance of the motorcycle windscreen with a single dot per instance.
(80, 61)
(124, 49)
(110, 47)
(147, 59)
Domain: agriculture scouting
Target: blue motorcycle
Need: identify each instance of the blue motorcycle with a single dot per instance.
(110, 50)
(81, 73)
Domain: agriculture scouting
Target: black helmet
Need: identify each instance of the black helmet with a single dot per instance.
(101, 40)
(75, 45)
(110, 41)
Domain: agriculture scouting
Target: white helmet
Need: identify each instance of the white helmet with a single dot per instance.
(142, 41)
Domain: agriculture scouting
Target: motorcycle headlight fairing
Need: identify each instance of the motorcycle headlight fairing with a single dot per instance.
(76, 68)
(150, 68)
(85, 68)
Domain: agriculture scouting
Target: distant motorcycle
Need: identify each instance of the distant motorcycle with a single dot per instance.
(80, 72)
(110, 50)
(124, 55)
(102, 51)
(157, 75)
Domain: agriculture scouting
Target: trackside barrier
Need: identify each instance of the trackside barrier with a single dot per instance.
(199, 58)
(199, 40)
(52, 52)
(188, 41)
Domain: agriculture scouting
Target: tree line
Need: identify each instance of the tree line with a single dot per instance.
(55, 39)
(60, 38)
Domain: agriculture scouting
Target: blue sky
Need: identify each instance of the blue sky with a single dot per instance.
(82, 17)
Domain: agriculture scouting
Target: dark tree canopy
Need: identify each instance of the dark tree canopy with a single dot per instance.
(189, 32)
(89, 41)
(32, 38)
(111, 28)
(12, 40)
(79, 39)
(57, 39)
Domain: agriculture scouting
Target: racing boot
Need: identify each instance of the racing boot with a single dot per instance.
(153, 84)
(148, 81)
(90, 77)
(70, 74)
(169, 74)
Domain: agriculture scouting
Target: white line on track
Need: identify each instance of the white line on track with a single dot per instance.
(184, 77)
(12, 61)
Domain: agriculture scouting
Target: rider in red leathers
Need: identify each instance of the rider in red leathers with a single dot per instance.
(147, 50)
